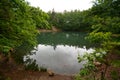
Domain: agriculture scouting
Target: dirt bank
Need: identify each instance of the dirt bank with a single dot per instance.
(13, 73)
(53, 29)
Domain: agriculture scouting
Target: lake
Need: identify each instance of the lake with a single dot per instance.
(59, 51)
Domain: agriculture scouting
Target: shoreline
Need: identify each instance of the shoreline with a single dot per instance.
(53, 29)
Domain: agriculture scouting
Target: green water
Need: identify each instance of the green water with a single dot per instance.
(64, 38)
(58, 51)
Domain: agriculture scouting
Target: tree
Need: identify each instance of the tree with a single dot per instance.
(40, 18)
(70, 21)
(105, 32)
(18, 24)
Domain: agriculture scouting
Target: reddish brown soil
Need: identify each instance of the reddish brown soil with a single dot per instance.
(10, 70)
(14, 74)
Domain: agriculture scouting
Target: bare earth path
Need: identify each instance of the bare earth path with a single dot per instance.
(15, 74)
(29, 75)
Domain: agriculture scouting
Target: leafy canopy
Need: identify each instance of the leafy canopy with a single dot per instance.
(18, 23)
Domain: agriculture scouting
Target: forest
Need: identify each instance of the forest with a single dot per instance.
(20, 24)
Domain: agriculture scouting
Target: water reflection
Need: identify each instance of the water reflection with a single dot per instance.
(60, 59)
(58, 51)
(64, 38)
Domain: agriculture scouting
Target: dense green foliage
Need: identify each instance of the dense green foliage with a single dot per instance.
(40, 18)
(18, 23)
(105, 23)
(103, 16)
(105, 31)
(70, 21)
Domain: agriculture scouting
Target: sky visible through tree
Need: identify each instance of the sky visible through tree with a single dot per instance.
(61, 5)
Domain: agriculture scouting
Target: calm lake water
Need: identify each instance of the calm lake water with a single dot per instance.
(58, 51)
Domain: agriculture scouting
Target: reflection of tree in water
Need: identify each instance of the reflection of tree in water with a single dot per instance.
(54, 47)
(63, 38)
(21, 51)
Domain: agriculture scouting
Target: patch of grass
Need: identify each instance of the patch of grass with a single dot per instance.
(115, 75)
(30, 64)
(84, 72)
(2, 77)
(43, 69)
(116, 63)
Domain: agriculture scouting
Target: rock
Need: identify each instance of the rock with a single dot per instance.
(50, 73)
